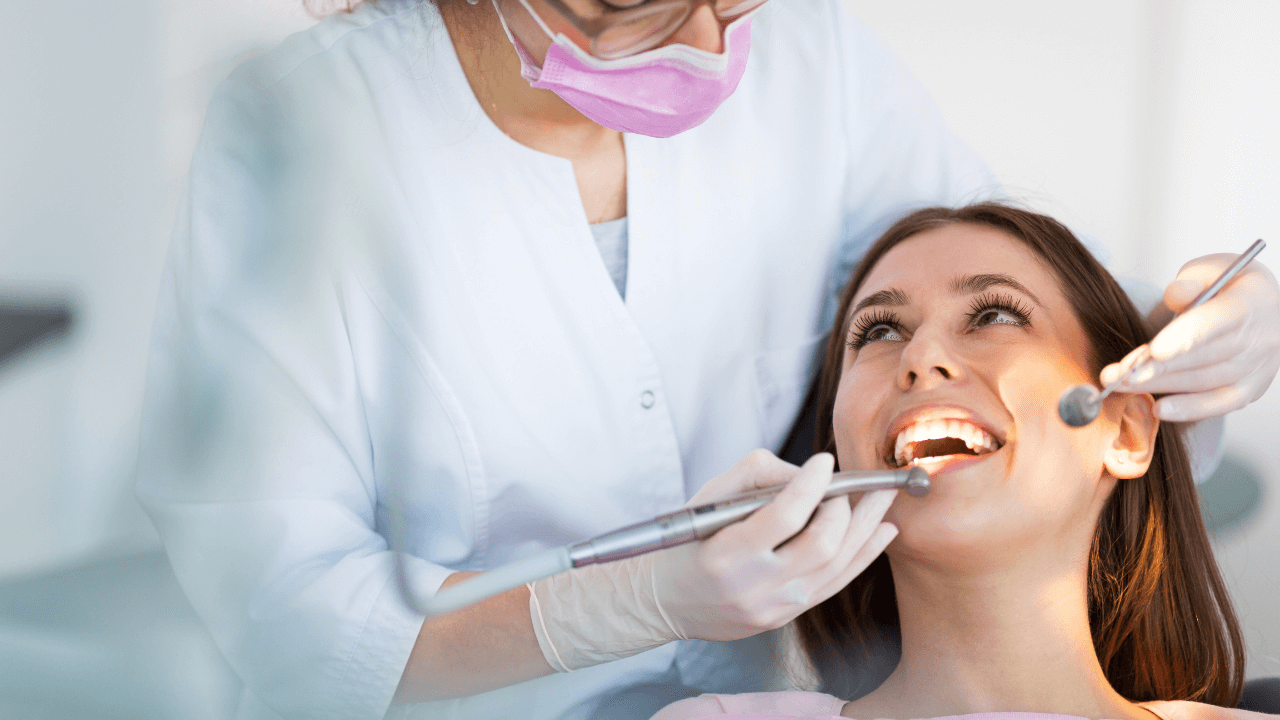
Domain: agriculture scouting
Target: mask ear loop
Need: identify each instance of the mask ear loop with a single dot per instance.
(535, 17)
(502, 20)
(527, 9)
(529, 70)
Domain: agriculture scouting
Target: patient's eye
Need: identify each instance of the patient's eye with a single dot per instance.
(880, 325)
(995, 309)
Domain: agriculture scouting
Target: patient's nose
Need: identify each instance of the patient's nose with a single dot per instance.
(928, 361)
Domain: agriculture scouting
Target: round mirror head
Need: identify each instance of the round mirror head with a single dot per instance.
(1079, 405)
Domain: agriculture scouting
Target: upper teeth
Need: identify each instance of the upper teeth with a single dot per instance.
(978, 440)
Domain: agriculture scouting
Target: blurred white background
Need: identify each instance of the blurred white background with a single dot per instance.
(1151, 125)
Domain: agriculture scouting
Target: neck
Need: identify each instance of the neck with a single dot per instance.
(531, 116)
(1012, 639)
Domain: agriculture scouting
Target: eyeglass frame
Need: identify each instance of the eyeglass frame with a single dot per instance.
(592, 28)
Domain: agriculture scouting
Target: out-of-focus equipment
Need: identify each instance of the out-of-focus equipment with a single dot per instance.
(24, 325)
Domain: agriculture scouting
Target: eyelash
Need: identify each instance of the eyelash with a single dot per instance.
(980, 306)
(1004, 303)
(867, 323)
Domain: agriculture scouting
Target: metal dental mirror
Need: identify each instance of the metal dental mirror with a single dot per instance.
(1079, 404)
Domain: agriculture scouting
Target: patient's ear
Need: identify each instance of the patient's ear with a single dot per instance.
(1129, 454)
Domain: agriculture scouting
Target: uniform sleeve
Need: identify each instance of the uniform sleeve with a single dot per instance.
(255, 464)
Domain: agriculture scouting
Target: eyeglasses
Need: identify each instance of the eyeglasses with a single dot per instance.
(620, 31)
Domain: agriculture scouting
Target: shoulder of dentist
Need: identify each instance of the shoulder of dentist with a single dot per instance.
(370, 283)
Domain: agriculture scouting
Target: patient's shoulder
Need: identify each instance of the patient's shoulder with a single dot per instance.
(792, 703)
(1187, 710)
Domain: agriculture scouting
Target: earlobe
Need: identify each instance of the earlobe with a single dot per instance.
(1130, 452)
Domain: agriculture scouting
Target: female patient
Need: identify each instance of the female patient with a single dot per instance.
(1050, 570)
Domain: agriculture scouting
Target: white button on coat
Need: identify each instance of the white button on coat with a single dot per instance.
(370, 284)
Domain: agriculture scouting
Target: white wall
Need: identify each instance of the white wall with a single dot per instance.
(1049, 93)
(100, 105)
(79, 173)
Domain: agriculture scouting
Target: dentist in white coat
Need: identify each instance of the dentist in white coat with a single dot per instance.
(549, 267)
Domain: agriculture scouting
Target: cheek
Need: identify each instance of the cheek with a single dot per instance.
(1054, 468)
(852, 419)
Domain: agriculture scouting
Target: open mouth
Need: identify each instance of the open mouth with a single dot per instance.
(935, 440)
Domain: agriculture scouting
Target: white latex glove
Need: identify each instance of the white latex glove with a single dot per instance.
(1217, 358)
(752, 576)
(759, 574)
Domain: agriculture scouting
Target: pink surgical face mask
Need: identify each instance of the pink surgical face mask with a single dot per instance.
(659, 93)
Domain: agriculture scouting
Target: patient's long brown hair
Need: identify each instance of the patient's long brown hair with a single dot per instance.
(1161, 619)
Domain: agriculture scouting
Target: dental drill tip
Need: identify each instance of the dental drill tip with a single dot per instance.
(1079, 405)
(917, 484)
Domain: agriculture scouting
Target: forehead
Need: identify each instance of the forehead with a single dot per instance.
(927, 262)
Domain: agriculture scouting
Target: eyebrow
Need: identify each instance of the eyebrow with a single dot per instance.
(893, 297)
(962, 285)
(974, 284)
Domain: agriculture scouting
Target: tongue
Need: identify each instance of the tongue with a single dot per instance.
(940, 447)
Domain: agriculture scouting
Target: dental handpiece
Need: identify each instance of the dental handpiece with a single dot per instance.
(701, 522)
(1080, 404)
(664, 531)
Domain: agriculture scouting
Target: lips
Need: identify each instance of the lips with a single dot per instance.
(936, 432)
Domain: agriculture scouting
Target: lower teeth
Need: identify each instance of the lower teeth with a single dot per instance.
(929, 458)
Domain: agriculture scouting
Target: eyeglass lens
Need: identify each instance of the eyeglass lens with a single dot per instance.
(645, 30)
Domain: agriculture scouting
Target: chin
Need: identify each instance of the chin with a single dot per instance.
(966, 517)
(942, 531)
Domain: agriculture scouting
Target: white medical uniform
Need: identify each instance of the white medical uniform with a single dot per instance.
(371, 284)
